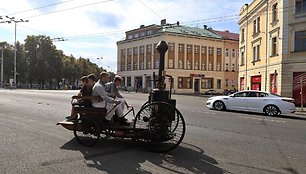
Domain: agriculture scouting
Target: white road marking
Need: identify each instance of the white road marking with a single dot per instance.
(264, 119)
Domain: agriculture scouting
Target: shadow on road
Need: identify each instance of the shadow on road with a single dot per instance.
(295, 117)
(123, 156)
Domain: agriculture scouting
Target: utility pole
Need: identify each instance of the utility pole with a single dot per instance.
(12, 19)
(302, 102)
(1, 84)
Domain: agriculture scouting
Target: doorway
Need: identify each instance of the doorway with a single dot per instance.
(196, 85)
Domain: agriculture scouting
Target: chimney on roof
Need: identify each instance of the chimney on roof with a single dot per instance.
(226, 31)
(205, 26)
(177, 23)
(141, 26)
(163, 22)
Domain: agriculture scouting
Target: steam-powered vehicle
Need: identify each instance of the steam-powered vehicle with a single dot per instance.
(159, 124)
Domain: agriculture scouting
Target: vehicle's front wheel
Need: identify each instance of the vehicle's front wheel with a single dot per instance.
(219, 105)
(271, 110)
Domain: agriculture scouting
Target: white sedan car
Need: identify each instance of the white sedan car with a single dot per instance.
(253, 101)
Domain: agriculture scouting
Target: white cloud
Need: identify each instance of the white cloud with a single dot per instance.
(126, 14)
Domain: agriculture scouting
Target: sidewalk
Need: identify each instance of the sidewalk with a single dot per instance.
(299, 111)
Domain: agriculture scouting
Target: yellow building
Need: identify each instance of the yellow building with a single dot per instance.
(199, 59)
(272, 47)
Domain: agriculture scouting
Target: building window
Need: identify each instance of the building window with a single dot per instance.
(136, 35)
(242, 35)
(233, 67)
(122, 52)
(141, 66)
(242, 58)
(203, 50)
(226, 82)
(128, 80)
(256, 53)
(180, 64)
(233, 53)
(274, 12)
(226, 52)
(130, 36)
(218, 83)
(256, 25)
(142, 34)
(188, 64)
(226, 67)
(218, 67)
(149, 32)
(129, 66)
(122, 67)
(203, 66)
(300, 6)
(149, 49)
(196, 65)
(180, 83)
(210, 51)
(123, 81)
(135, 66)
(274, 46)
(189, 48)
(300, 41)
(181, 47)
(233, 83)
(135, 51)
(188, 83)
(149, 65)
(209, 67)
(141, 49)
(129, 51)
(219, 51)
(170, 65)
(207, 83)
(154, 48)
(171, 47)
(156, 64)
(196, 49)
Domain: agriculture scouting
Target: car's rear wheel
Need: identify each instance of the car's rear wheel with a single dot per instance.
(219, 105)
(271, 110)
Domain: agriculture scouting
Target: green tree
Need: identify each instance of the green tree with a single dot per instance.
(45, 61)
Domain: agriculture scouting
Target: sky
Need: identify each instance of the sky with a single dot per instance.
(91, 28)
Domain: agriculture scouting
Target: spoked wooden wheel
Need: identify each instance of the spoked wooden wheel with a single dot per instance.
(86, 131)
(163, 126)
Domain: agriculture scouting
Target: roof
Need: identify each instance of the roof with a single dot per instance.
(227, 35)
(179, 29)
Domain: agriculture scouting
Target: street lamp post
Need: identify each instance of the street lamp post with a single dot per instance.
(12, 19)
(1, 84)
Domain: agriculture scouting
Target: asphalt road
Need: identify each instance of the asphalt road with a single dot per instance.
(215, 142)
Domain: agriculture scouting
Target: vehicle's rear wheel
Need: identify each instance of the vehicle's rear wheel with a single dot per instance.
(86, 131)
(271, 110)
(219, 105)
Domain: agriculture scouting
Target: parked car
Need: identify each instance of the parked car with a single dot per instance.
(210, 92)
(228, 92)
(253, 101)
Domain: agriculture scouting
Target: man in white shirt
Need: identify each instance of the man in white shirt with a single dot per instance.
(112, 105)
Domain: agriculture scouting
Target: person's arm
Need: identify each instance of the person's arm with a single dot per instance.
(99, 90)
(117, 93)
(81, 91)
(108, 90)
